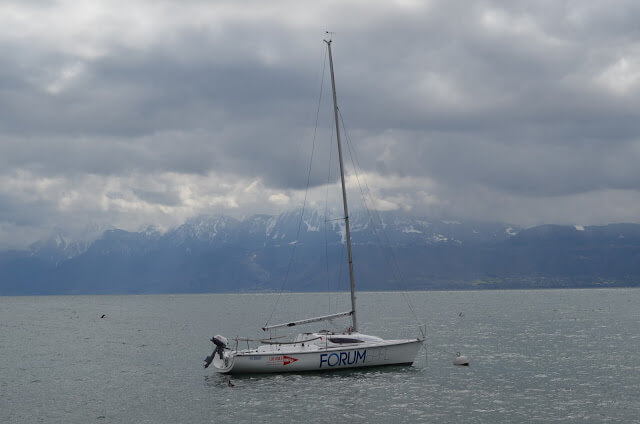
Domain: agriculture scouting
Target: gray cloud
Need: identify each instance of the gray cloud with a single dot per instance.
(126, 115)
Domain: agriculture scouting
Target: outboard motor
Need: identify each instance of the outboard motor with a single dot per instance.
(220, 343)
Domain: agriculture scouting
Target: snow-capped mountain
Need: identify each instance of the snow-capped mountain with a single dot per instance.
(262, 252)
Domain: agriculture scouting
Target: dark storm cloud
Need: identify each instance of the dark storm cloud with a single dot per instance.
(151, 110)
(525, 101)
(521, 107)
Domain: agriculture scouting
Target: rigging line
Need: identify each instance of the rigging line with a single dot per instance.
(341, 278)
(326, 213)
(306, 192)
(399, 279)
(334, 219)
(339, 271)
(364, 193)
(394, 262)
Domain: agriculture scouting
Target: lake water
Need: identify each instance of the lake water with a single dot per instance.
(536, 356)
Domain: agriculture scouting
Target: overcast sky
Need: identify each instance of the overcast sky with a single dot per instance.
(130, 113)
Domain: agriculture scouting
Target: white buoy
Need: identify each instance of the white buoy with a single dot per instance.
(461, 360)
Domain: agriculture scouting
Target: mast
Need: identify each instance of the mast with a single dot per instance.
(354, 326)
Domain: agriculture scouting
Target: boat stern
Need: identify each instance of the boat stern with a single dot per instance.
(224, 365)
(221, 357)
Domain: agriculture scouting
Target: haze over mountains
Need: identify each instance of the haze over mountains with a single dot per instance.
(270, 253)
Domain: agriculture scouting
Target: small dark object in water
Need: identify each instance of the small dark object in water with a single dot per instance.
(103, 315)
(229, 383)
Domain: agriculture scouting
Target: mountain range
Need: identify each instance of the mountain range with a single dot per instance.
(271, 253)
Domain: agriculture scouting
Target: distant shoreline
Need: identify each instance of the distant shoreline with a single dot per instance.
(245, 292)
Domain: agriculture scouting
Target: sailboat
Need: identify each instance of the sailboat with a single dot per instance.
(323, 350)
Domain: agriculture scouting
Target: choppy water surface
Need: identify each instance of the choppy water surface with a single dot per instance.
(536, 356)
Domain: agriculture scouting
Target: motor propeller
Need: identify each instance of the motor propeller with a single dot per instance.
(220, 344)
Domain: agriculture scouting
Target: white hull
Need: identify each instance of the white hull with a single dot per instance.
(301, 358)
